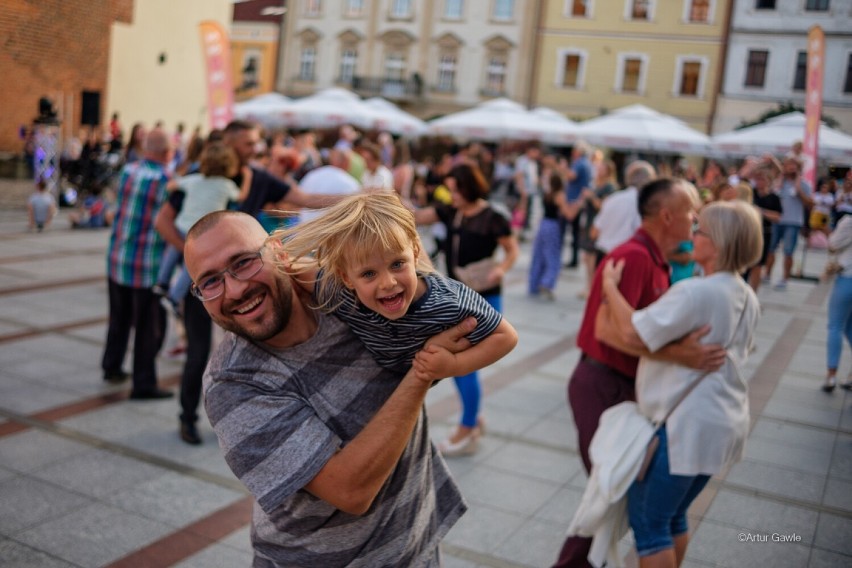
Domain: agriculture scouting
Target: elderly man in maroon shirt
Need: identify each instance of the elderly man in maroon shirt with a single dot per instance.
(606, 372)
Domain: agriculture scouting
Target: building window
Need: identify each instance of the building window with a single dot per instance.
(578, 8)
(817, 5)
(354, 8)
(756, 68)
(395, 67)
(764, 4)
(632, 73)
(847, 85)
(313, 7)
(447, 73)
(640, 9)
(503, 9)
(699, 12)
(801, 71)
(307, 63)
(453, 9)
(495, 76)
(348, 63)
(690, 78)
(401, 9)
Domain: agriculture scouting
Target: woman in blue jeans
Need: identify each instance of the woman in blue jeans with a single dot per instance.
(475, 231)
(840, 304)
(706, 431)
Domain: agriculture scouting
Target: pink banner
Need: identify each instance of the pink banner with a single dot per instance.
(813, 102)
(217, 56)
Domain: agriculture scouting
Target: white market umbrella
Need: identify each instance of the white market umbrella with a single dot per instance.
(637, 127)
(330, 108)
(266, 109)
(561, 129)
(776, 135)
(493, 121)
(394, 119)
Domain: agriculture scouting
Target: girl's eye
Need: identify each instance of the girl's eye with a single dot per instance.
(367, 274)
(398, 264)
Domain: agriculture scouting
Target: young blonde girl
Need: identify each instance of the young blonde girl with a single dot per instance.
(364, 261)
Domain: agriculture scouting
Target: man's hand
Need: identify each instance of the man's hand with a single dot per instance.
(689, 352)
(433, 363)
(453, 339)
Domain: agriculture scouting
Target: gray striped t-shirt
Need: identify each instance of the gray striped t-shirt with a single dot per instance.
(281, 414)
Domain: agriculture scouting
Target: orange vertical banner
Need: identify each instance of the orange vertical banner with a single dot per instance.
(217, 57)
(813, 102)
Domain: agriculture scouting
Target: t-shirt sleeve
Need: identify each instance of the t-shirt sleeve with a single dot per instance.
(638, 271)
(500, 225)
(668, 319)
(273, 441)
(473, 304)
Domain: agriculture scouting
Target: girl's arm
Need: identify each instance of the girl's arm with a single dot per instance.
(246, 185)
(434, 362)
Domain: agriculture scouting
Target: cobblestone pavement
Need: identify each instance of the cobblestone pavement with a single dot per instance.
(88, 478)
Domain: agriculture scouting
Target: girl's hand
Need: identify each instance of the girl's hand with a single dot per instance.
(433, 363)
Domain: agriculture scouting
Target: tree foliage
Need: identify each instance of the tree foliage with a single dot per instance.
(785, 108)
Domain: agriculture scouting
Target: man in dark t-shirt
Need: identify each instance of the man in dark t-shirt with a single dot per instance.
(769, 205)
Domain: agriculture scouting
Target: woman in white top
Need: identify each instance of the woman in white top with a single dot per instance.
(706, 432)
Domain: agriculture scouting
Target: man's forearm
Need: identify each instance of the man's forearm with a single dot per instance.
(352, 478)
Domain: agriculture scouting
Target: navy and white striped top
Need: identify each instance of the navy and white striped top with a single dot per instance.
(394, 343)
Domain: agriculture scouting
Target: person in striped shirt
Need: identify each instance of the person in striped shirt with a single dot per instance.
(364, 261)
(335, 449)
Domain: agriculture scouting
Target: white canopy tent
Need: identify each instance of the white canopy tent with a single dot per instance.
(500, 119)
(330, 108)
(395, 120)
(563, 131)
(776, 135)
(266, 109)
(637, 127)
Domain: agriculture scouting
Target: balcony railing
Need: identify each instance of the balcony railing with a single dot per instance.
(391, 89)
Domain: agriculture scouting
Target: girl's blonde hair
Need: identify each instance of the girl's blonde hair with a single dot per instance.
(349, 232)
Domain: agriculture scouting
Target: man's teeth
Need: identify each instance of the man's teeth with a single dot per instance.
(250, 306)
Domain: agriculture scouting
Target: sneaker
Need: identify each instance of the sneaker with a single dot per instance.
(781, 285)
(160, 290)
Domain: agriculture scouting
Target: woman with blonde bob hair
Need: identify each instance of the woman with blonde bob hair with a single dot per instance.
(364, 261)
(706, 431)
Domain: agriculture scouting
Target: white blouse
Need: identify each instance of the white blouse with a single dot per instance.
(707, 431)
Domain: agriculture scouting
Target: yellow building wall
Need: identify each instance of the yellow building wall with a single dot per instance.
(606, 35)
(144, 89)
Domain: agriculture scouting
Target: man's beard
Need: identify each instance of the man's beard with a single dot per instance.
(275, 320)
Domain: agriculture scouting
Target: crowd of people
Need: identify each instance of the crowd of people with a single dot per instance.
(305, 248)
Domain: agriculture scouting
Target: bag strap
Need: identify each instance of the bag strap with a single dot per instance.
(694, 384)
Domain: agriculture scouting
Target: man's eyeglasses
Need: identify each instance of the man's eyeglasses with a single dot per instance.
(211, 287)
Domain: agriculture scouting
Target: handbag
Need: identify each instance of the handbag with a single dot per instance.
(654, 443)
(474, 274)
